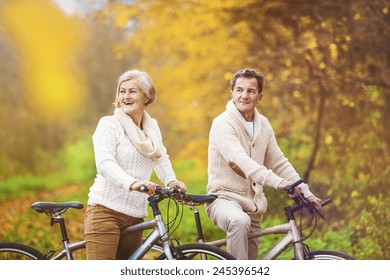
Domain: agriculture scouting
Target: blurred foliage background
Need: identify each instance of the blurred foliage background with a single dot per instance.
(327, 95)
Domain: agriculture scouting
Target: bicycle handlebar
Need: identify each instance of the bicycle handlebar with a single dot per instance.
(301, 200)
(326, 201)
(290, 188)
(180, 196)
(163, 193)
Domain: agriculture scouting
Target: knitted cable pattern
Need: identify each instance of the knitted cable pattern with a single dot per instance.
(119, 164)
(240, 164)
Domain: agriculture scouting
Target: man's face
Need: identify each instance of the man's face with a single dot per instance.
(245, 96)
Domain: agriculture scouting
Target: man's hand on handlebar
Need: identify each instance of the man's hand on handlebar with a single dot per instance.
(283, 187)
(316, 200)
(291, 189)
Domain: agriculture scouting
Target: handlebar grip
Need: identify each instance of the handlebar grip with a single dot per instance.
(144, 188)
(326, 201)
(290, 188)
(171, 190)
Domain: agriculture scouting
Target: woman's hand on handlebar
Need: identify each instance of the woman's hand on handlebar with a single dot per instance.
(140, 186)
(177, 185)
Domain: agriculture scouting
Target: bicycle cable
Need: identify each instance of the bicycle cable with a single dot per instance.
(308, 225)
(177, 215)
(171, 222)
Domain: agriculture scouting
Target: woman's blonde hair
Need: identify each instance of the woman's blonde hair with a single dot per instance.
(146, 85)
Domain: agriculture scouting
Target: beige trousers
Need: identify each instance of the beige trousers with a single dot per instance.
(229, 216)
(102, 228)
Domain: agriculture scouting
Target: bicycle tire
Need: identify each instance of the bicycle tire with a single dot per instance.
(19, 251)
(328, 255)
(198, 251)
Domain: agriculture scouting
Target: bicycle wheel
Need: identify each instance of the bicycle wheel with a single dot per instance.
(198, 251)
(328, 255)
(18, 251)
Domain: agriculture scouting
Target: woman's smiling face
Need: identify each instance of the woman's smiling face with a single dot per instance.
(131, 98)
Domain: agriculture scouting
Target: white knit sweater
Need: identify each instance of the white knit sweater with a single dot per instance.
(119, 164)
(240, 165)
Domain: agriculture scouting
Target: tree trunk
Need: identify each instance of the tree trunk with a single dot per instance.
(317, 135)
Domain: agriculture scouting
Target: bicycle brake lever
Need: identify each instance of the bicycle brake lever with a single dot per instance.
(319, 213)
(299, 199)
(314, 209)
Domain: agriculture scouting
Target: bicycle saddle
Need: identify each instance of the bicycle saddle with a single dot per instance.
(53, 207)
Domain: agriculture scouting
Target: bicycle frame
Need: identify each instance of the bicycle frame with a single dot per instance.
(68, 250)
(290, 229)
(159, 233)
(292, 237)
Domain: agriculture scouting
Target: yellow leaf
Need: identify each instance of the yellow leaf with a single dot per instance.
(308, 57)
(354, 194)
(269, 77)
(328, 139)
(357, 16)
(288, 62)
(333, 52)
(361, 176)
(337, 201)
(296, 94)
(312, 44)
(227, 76)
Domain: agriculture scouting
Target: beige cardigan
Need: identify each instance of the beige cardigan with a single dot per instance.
(240, 165)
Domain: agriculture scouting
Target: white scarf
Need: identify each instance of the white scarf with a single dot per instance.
(146, 141)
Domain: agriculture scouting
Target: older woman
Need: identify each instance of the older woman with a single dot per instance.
(128, 146)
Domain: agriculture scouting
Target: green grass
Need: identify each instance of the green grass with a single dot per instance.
(29, 184)
(77, 165)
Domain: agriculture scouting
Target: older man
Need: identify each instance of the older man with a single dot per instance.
(243, 158)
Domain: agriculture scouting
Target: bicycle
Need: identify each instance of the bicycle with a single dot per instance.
(293, 234)
(159, 235)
